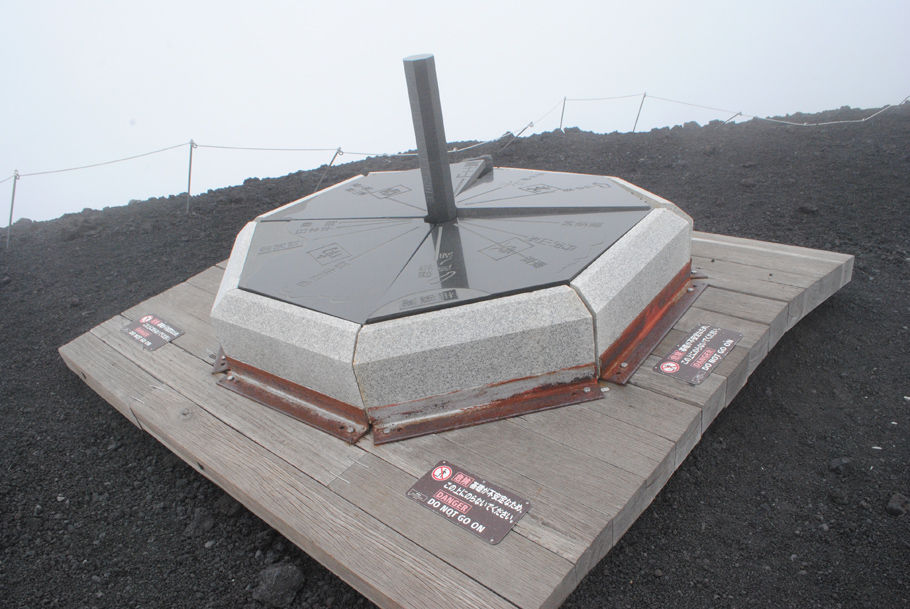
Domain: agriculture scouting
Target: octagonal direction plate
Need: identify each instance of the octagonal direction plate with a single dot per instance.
(364, 252)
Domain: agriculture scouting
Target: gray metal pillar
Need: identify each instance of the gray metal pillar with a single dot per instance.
(423, 92)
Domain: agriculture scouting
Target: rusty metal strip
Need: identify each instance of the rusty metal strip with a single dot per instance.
(471, 407)
(620, 361)
(342, 420)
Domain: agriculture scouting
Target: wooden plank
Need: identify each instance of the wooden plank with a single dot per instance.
(709, 396)
(755, 335)
(608, 440)
(518, 569)
(671, 419)
(772, 313)
(758, 282)
(80, 353)
(753, 254)
(554, 521)
(734, 367)
(563, 469)
(839, 258)
(829, 275)
(315, 453)
(186, 307)
(396, 572)
(208, 280)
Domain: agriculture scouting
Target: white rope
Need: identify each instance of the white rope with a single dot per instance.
(128, 158)
(456, 150)
(266, 149)
(778, 120)
(591, 99)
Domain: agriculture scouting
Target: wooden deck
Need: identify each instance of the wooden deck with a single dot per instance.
(589, 470)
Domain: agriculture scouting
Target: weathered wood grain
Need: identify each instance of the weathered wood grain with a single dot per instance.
(396, 572)
(519, 569)
(589, 470)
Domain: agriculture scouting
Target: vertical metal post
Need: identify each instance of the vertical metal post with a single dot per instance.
(643, 96)
(327, 167)
(189, 177)
(563, 113)
(12, 204)
(426, 111)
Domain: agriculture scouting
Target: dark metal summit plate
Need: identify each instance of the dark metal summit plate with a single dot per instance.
(512, 188)
(364, 252)
(474, 259)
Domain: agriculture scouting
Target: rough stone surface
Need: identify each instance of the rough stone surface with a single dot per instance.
(473, 345)
(297, 344)
(234, 267)
(278, 585)
(898, 505)
(618, 285)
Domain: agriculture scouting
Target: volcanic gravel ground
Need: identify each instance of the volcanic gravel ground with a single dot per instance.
(795, 497)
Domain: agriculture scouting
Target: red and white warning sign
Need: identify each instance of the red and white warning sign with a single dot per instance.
(699, 354)
(151, 332)
(669, 367)
(486, 510)
(442, 473)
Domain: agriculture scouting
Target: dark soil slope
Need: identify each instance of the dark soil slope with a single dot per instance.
(792, 498)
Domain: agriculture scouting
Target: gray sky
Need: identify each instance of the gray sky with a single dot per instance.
(90, 81)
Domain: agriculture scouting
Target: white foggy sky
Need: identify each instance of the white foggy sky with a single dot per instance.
(91, 81)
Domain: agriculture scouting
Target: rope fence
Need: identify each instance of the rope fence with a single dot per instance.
(338, 151)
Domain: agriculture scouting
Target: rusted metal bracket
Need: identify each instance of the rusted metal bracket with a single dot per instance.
(220, 364)
(332, 416)
(481, 405)
(620, 361)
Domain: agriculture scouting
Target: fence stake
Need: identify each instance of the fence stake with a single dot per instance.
(189, 177)
(322, 177)
(12, 203)
(563, 113)
(643, 96)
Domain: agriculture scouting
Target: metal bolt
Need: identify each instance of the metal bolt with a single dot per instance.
(624, 365)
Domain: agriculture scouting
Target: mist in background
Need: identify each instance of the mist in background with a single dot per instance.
(90, 81)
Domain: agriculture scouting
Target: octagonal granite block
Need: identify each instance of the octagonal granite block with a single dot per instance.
(492, 342)
(302, 346)
(626, 278)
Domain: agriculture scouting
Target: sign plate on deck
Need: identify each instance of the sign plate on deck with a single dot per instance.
(151, 332)
(487, 510)
(699, 354)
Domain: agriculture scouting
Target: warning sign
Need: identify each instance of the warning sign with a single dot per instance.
(151, 332)
(699, 354)
(486, 510)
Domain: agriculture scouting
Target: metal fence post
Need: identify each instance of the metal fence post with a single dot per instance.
(324, 173)
(643, 96)
(563, 113)
(189, 177)
(12, 203)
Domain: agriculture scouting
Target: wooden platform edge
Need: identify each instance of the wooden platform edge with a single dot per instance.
(805, 278)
